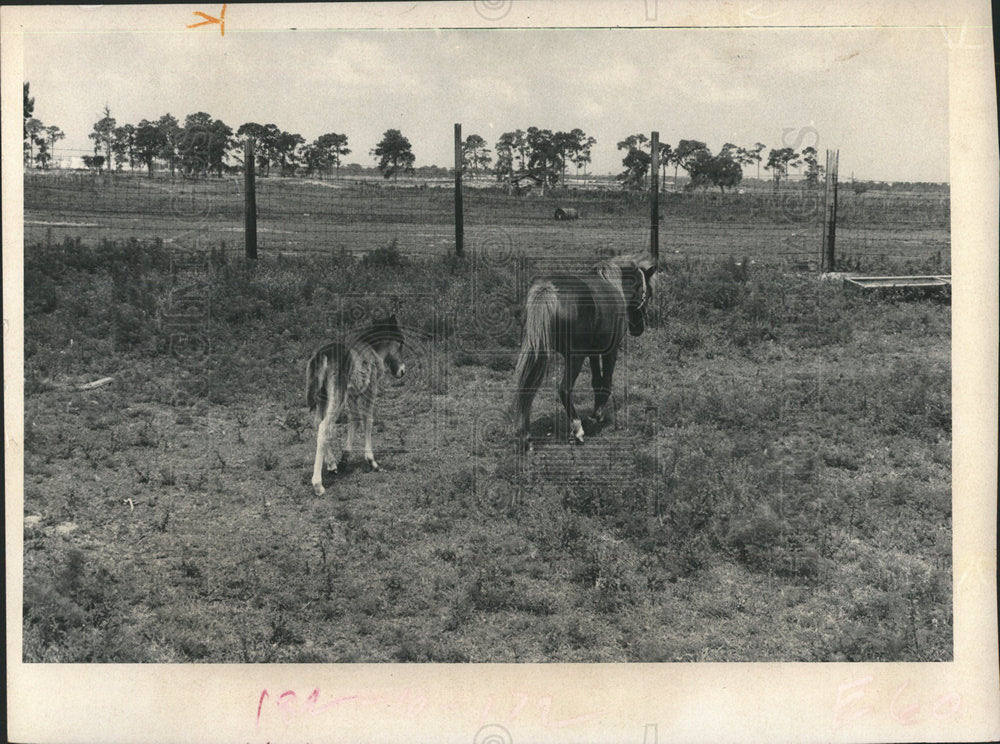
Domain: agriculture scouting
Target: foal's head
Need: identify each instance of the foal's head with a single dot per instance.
(386, 338)
(637, 286)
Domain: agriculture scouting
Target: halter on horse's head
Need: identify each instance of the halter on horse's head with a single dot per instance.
(637, 302)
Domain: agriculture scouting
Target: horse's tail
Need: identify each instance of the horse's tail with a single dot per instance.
(532, 364)
(316, 382)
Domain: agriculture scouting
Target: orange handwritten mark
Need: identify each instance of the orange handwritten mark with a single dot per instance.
(221, 20)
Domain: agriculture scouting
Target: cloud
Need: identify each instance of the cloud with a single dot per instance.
(362, 64)
(614, 74)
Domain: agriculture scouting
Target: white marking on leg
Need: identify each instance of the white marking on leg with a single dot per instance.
(369, 417)
(576, 429)
(368, 412)
(321, 446)
(326, 439)
(369, 454)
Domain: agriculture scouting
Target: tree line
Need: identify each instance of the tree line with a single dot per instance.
(530, 157)
(723, 169)
(541, 157)
(199, 146)
(202, 145)
(39, 140)
(521, 159)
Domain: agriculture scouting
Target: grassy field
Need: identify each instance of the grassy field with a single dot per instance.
(776, 487)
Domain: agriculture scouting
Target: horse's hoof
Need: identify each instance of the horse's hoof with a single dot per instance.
(576, 431)
(372, 466)
(318, 489)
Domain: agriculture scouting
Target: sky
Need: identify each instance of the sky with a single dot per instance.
(880, 96)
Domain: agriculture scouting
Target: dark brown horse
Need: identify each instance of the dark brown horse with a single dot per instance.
(580, 316)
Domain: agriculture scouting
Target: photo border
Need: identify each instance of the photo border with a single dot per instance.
(951, 701)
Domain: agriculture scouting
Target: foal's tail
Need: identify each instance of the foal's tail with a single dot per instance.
(532, 364)
(316, 383)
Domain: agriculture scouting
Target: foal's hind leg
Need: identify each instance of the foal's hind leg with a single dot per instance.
(573, 365)
(326, 439)
(368, 414)
(353, 427)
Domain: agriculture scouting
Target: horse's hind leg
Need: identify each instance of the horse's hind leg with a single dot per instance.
(525, 397)
(574, 363)
(602, 383)
(523, 419)
(596, 381)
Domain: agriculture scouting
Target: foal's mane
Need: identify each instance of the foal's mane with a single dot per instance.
(379, 331)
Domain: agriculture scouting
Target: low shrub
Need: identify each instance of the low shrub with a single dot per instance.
(387, 256)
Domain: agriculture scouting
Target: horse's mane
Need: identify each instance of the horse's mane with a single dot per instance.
(611, 270)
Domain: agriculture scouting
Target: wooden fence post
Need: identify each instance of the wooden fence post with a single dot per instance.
(832, 231)
(828, 259)
(654, 196)
(459, 227)
(250, 202)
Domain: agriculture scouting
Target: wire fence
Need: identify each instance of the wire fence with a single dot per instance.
(876, 232)
(355, 216)
(894, 233)
(96, 208)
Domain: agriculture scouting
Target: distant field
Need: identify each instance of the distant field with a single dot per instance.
(777, 486)
(876, 232)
